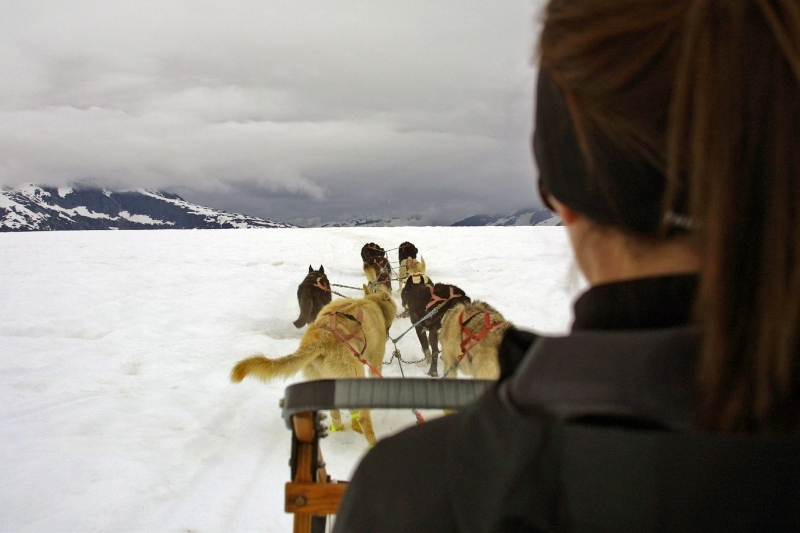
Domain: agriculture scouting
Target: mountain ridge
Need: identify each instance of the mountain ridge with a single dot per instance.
(41, 208)
(530, 216)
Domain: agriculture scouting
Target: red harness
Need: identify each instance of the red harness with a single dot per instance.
(435, 298)
(488, 325)
(345, 338)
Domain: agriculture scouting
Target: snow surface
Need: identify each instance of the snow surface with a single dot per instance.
(117, 412)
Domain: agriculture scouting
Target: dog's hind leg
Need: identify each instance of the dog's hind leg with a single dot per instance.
(433, 371)
(422, 335)
(354, 423)
(362, 423)
(336, 420)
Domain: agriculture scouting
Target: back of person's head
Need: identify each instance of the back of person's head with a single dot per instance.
(665, 116)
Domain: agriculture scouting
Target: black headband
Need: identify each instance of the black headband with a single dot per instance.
(622, 189)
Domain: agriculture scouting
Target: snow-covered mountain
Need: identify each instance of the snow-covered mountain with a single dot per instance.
(77, 208)
(34, 207)
(374, 223)
(524, 217)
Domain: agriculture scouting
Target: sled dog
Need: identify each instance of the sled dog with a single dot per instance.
(376, 266)
(472, 332)
(313, 294)
(407, 255)
(370, 251)
(419, 297)
(378, 272)
(345, 332)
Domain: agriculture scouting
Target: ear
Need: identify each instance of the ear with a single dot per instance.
(568, 215)
(366, 291)
(321, 269)
(310, 269)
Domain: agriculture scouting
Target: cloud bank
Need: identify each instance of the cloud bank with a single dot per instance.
(295, 111)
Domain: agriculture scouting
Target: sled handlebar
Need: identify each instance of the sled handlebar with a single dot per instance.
(389, 393)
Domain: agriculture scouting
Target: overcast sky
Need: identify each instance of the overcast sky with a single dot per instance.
(298, 111)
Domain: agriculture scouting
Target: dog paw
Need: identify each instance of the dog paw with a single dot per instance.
(332, 428)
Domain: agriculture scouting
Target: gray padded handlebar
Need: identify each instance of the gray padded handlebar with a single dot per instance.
(389, 393)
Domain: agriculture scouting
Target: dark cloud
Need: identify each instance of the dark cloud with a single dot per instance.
(284, 109)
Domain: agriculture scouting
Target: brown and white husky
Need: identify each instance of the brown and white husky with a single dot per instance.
(472, 332)
(347, 339)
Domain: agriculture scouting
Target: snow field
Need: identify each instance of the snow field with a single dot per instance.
(117, 412)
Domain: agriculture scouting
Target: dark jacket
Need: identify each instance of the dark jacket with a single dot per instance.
(630, 345)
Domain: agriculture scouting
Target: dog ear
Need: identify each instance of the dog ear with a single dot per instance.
(321, 269)
(310, 269)
(366, 291)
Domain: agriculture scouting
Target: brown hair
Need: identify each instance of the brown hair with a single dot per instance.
(708, 91)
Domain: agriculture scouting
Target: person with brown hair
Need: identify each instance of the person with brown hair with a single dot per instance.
(667, 136)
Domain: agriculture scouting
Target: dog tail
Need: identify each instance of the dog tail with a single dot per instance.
(267, 369)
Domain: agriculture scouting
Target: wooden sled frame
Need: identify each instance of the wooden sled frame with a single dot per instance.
(311, 494)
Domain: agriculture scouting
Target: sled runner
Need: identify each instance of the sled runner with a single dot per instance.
(311, 495)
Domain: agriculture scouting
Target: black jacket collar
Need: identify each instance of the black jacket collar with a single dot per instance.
(642, 303)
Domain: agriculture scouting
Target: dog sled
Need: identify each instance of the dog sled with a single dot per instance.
(311, 495)
(616, 472)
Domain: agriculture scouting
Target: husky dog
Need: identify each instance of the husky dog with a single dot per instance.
(412, 267)
(370, 251)
(420, 296)
(313, 294)
(472, 332)
(407, 255)
(378, 272)
(346, 332)
(376, 266)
